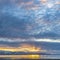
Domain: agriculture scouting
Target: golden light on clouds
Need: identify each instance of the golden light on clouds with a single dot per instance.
(21, 48)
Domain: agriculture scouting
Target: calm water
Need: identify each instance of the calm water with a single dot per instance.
(18, 57)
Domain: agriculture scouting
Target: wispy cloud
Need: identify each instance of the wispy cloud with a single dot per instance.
(29, 39)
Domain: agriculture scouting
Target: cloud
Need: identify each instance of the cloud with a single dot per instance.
(17, 40)
(47, 40)
(39, 21)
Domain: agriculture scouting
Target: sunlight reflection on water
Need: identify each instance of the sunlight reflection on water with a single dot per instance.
(20, 56)
(17, 57)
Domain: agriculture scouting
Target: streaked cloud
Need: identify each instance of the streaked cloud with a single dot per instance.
(48, 40)
(29, 39)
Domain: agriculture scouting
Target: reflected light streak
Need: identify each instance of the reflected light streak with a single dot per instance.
(21, 56)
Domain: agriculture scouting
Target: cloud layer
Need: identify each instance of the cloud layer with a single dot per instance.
(30, 18)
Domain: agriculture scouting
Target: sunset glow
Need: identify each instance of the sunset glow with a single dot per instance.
(29, 29)
(22, 48)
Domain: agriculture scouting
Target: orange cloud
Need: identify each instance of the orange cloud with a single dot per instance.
(21, 48)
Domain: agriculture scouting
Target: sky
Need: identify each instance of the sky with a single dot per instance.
(30, 20)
